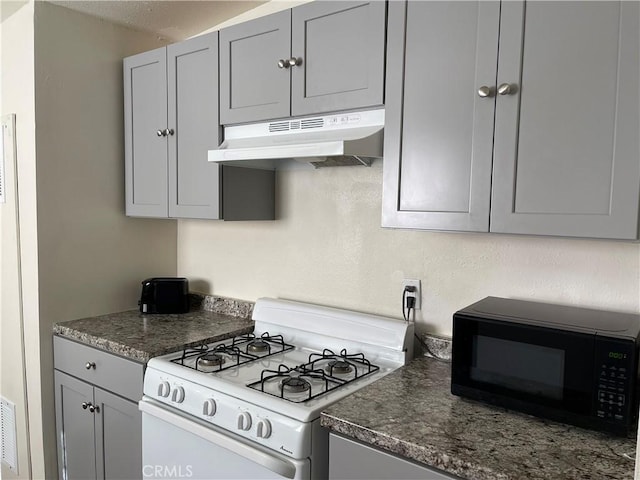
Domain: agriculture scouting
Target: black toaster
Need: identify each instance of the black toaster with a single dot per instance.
(164, 295)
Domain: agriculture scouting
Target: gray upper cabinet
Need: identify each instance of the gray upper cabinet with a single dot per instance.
(316, 58)
(563, 91)
(567, 156)
(252, 86)
(438, 132)
(167, 172)
(339, 48)
(145, 107)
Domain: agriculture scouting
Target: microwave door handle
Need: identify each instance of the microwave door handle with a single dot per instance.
(272, 463)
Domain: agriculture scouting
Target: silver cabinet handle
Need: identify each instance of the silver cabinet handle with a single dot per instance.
(294, 62)
(168, 131)
(506, 89)
(485, 91)
(85, 405)
(90, 365)
(94, 408)
(160, 133)
(283, 63)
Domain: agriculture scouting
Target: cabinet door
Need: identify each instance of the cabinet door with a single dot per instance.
(75, 428)
(192, 68)
(252, 85)
(118, 437)
(352, 460)
(341, 50)
(566, 142)
(145, 109)
(439, 131)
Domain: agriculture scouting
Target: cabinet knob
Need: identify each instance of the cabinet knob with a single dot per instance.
(506, 89)
(90, 365)
(485, 91)
(283, 63)
(85, 405)
(168, 131)
(294, 62)
(160, 133)
(94, 408)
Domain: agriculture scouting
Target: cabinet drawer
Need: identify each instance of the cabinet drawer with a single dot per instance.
(113, 373)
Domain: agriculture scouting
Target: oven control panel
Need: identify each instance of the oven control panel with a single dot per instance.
(270, 429)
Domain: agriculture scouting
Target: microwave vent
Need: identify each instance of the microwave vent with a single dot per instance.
(279, 127)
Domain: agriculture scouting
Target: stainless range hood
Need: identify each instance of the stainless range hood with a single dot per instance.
(352, 138)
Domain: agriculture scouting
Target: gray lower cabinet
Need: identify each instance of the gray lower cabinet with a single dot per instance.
(525, 120)
(171, 122)
(315, 58)
(352, 460)
(99, 432)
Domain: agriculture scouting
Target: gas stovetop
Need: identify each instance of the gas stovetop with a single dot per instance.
(271, 385)
(320, 374)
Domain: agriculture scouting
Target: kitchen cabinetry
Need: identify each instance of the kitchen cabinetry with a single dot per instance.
(99, 427)
(171, 121)
(525, 120)
(351, 460)
(315, 58)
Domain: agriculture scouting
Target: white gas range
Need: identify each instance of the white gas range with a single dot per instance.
(249, 407)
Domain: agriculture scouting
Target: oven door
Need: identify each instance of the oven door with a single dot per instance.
(177, 446)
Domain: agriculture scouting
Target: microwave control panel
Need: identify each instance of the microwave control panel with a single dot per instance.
(615, 365)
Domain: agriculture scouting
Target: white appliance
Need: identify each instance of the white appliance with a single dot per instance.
(249, 407)
(347, 138)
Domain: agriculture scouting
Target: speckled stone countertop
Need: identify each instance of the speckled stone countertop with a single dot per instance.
(140, 336)
(412, 413)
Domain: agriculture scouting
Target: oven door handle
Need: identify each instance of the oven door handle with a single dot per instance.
(270, 462)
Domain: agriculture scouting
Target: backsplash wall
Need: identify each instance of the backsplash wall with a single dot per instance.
(327, 247)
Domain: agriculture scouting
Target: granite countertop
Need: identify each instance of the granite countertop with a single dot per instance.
(140, 336)
(412, 413)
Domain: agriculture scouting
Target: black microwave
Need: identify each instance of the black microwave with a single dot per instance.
(569, 364)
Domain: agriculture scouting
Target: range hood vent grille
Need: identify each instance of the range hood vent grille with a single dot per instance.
(289, 125)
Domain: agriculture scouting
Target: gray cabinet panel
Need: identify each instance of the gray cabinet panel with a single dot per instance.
(248, 193)
(439, 132)
(351, 460)
(193, 114)
(75, 427)
(117, 374)
(252, 87)
(566, 144)
(118, 437)
(341, 45)
(145, 95)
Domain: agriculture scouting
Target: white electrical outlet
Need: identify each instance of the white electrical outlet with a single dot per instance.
(418, 291)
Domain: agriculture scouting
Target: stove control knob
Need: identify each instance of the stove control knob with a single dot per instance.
(164, 389)
(209, 407)
(178, 395)
(263, 429)
(244, 421)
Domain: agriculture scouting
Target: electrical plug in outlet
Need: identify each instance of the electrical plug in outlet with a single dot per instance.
(416, 293)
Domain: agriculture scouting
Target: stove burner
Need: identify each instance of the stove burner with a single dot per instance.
(339, 367)
(211, 360)
(295, 385)
(257, 346)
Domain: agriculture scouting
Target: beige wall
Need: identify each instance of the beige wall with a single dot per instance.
(327, 246)
(16, 96)
(80, 255)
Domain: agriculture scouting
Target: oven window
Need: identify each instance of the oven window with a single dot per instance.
(524, 367)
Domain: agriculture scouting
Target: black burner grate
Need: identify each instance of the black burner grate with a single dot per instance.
(319, 371)
(235, 352)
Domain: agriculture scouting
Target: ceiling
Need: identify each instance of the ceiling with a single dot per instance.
(174, 20)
